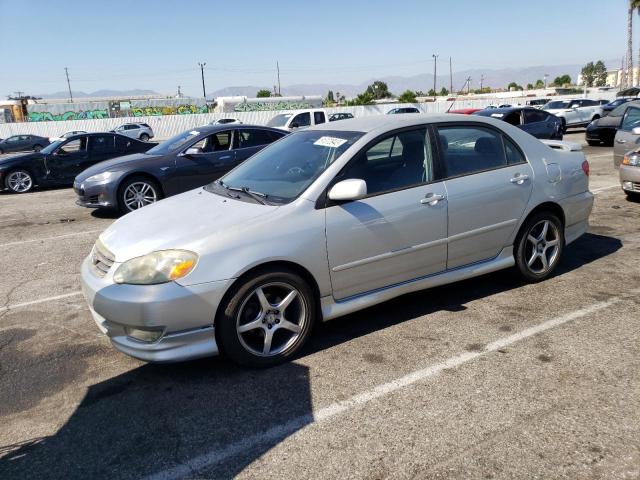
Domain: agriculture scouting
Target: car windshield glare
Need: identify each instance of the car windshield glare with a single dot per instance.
(286, 168)
(174, 143)
(279, 120)
(51, 147)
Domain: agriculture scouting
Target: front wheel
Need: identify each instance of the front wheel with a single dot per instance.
(539, 246)
(267, 318)
(19, 181)
(137, 192)
(144, 137)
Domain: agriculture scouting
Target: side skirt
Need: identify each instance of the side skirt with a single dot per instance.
(332, 309)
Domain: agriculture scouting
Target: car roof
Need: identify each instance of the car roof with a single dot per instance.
(389, 122)
(226, 126)
(504, 110)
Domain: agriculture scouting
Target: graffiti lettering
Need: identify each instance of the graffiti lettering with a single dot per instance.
(81, 115)
(167, 110)
(263, 106)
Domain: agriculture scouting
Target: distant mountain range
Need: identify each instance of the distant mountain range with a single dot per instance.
(494, 78)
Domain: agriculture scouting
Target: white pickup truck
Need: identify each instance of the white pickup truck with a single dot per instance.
(298, 119)
(577, 112)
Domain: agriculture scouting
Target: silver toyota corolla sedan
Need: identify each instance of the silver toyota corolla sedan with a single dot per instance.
(328, 221)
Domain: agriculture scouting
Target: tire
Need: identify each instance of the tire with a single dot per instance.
(593, 143)
(144, 137)
(537, 259)
(633, 196)
(137, 192)
(37, 148)
(262, 319)
(563, 128)
(19, 181)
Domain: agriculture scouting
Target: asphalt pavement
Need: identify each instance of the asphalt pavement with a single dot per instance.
(486, 378)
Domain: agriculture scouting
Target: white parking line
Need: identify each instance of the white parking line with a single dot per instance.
(41, 300)
(191, 467)
(46, 239)
(602, 155)
(602, 189)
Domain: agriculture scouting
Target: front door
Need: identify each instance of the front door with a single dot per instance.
(488, 183)
(67, 161)
(398, 231)
(214, 158)
(625, 139)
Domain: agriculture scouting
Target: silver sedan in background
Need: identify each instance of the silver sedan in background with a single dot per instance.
(328, 221)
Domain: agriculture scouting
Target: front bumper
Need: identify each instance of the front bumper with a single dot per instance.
(184, 315)
(94, 196)
(630, 178)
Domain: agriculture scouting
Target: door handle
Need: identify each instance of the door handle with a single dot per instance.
(432, 199)
(621, 141)
(519, 179)
(226, 157)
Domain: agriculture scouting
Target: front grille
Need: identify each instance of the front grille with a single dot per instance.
(101, 259)
(636, 186)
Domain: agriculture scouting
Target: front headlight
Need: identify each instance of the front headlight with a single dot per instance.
(631, 159)
(100, 177)
(157, 267)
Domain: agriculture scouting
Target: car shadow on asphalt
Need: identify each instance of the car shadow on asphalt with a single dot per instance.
(155, 417)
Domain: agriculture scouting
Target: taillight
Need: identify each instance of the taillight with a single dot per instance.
(585, 168)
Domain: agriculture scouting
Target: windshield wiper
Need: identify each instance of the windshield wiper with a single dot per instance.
(257, 196)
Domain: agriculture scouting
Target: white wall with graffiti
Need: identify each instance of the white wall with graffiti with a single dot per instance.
(166, 126)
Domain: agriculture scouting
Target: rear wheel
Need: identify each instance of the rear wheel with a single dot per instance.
(539, 246)
(137, 192)
(267, 318)
(144, 137)
(19, 181)
(593, 143)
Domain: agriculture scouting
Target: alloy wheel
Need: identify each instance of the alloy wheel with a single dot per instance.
(271, 319)
(542, 247)
(138, 195)
(19, 181)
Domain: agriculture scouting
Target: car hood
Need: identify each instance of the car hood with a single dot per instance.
(114, 164)
(608, 121)
(196, 220)
(20, 157)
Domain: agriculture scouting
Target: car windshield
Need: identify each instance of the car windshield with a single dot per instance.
(52, 146)
(174, 143)
(284, 169)
(279, 120)
(557, 104)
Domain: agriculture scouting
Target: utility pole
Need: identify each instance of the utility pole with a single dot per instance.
(278, 69)
(481, 81)
(450, 78)
(546, 75)
(204, 91)
(435, 66)
(66, 71)
(179, 92)
(468, 85)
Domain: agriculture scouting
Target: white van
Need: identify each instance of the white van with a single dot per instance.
(298, 119)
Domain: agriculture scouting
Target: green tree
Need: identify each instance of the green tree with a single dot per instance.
(378, 90)
(364, 98)
(407, 96)
(431, 93)
(600, 74)
(562, 80)
(588, 74)
(444, 92)
(263, 93)
(530, 86)
(515, 86)
(539, 84)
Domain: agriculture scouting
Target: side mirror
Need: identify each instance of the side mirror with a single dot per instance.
(346, 190)
(635, 131)
(294, 125)
(192, 151)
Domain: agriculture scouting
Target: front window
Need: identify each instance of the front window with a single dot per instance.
(280, 120)
(174, 143)
(619, 110)
(285, 169)
(51, 147)
(557, 105)
(631, 120)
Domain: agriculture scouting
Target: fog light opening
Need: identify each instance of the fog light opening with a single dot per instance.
(146, 335)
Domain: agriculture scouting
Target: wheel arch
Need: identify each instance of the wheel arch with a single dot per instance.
(15, 168)
(551, 207)
(140, 174)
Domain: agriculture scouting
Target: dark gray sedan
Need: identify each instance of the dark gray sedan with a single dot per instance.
(23, 143)
(184, 162)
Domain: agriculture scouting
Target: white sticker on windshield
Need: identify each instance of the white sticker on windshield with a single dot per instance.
(497, 115)
(194, 132)
(332, 142)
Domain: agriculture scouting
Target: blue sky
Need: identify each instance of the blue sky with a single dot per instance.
(119, 44)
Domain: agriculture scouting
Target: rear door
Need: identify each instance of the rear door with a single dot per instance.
(101, 147)
(488, 183)
(214, 158)
(248, 141)
(625, 139)
(535, 123)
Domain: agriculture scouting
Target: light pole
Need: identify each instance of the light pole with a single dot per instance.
(546, 75)
(435, 69)
(204, 91)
